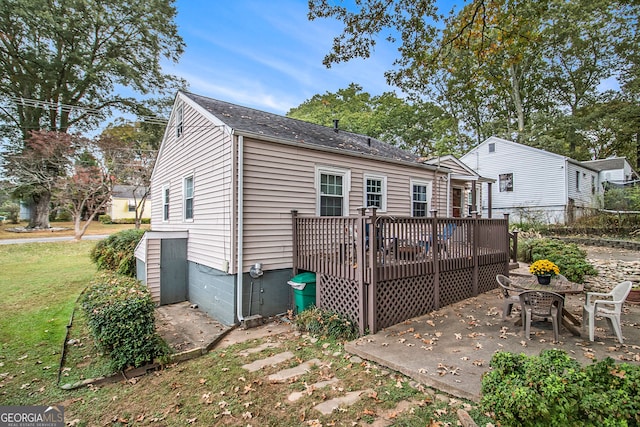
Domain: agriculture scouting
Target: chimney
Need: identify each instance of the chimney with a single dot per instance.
(335, 125)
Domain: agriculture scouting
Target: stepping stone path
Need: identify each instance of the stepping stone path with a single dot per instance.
(287, 374)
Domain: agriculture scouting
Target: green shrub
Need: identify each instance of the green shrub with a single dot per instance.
(12, 211)
(131, 221)
(326, 323)
(116, 252)
(552, 389)
(105, 219)
(120, 314)
(571, 260)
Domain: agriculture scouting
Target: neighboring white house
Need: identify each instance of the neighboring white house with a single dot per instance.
(616, 171)
(533, 184)
(225, 182)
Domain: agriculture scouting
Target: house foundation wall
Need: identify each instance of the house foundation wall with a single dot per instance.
(215, 293)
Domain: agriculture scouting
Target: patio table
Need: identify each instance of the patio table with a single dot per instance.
(562, 287)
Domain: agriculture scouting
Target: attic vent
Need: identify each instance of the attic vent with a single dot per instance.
(492, 147)
(335, 125)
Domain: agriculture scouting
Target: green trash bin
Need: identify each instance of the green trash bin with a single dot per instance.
(304, 290)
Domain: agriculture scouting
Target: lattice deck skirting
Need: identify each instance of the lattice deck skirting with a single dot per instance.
(401, 299)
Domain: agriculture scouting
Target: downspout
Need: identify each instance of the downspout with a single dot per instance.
(240, 223)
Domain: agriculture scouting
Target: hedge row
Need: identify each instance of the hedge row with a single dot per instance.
(120, 314)
(106, 219)
(116, 252)
(553, 389)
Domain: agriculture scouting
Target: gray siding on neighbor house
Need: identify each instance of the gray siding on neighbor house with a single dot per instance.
(214, 291)
(580, 189)
(539, 179)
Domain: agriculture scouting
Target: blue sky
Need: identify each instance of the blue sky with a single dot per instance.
(267, 54)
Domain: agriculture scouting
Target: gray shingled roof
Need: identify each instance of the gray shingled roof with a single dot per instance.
(127, 191)
(606, 164)
(272, 125)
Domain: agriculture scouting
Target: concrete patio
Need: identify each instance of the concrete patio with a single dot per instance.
(450, 349)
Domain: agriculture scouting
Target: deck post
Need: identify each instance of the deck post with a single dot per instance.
(372, 290)
(294, 232)
(474, 255)
(435, 250)
(515, 243)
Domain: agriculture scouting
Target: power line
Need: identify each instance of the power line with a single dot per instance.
(36, 103)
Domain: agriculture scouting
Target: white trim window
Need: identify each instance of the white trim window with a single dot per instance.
(332, 189)
(131, 205)
(188, 198)
(420, 198)
(375, 192)
(505, 181)
(179, 120)
(165, 203)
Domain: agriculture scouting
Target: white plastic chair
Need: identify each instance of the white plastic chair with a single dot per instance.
(511, 294)
(608, 305)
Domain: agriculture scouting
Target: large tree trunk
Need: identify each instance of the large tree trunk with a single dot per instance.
(40, 210)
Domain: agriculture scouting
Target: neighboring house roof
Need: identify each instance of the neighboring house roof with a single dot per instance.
(611, 163)
(449, 159)
(261, 124)
(128, 191)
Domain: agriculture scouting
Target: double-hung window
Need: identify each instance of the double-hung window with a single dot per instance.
(188, 197)
(132, 205)
(375, 193)
(420, 198)
(165, 203)
(333, 190)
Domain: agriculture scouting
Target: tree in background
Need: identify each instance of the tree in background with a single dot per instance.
(420, 127)
(132, 153)
(84, 193)
(35, 169)
(527, 70)
(62, 60)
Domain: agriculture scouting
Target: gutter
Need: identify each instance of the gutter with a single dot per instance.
(240, 223)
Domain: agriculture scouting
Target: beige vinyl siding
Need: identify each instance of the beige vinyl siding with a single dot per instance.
(205, 151)
(153, 269)
(279, 178)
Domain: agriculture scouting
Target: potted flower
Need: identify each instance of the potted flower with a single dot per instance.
(544, 269)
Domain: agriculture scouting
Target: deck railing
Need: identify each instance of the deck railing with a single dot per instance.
(366, 250)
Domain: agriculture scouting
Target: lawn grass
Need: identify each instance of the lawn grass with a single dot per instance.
(96, 228)
(39, 285)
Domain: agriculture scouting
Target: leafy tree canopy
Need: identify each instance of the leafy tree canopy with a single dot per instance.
(63, 63)
(420, 127)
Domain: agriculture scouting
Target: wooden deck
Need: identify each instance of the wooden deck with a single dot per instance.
(382, 270)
